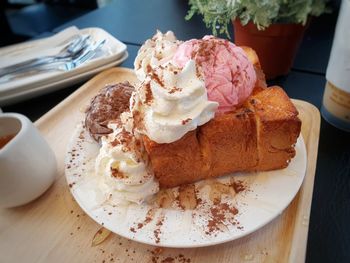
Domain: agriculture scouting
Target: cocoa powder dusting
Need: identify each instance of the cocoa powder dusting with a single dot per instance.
(117, 174)
(156, 235)
(238, 186)
(156, 257)
(147, 220)
(148, 68)
(155, 76)
(115, 142)
(174, 89)
(149, 216)
(221, 215)
(155, 254)
(157, 79)
(168, 260)
(205, 49)
(148, 93)
(157, 232)
(138, 119)
(184, 122)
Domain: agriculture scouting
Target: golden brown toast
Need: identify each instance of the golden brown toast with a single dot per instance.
(258, 136)
(278, 127)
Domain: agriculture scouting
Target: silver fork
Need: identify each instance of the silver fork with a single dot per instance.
(87, 54)
(72, 50)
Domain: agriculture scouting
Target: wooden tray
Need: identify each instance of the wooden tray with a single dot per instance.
(53, 228)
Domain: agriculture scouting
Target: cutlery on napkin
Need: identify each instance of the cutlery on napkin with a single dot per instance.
(63, 64)
(72, 51)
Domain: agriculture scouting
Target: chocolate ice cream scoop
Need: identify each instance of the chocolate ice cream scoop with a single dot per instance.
(106, 106)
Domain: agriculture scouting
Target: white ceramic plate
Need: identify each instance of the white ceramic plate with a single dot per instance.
(112, 51)
(266, 196)
(19, 95)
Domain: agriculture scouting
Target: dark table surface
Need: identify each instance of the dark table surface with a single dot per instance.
(134, 21)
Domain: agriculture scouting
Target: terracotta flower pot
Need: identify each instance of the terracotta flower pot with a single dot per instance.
(276, 46)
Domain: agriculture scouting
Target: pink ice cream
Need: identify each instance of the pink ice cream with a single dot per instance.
(228, 74)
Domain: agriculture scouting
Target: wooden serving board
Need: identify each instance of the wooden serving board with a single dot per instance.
(53, 228)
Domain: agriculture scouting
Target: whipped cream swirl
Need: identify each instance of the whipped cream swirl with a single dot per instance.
(122, 165)
(172, 102)
(156, 51)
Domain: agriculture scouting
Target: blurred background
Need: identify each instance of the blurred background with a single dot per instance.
(21, 20)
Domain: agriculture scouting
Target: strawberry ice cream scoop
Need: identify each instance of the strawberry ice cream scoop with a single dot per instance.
(228, 74)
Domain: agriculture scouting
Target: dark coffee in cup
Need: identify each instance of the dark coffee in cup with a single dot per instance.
(6, 139)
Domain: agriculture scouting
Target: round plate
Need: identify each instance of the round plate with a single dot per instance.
(265, 196)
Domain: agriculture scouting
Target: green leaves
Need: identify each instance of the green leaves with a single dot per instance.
(217, 14)
(260, 12)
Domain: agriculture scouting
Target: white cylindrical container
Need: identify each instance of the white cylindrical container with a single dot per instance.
(336, 99)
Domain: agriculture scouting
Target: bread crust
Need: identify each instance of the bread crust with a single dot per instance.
(258, 136)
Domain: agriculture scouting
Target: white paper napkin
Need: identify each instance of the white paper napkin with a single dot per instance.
(49, 46)
(111, 51)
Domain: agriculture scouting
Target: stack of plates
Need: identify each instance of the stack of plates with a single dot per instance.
(112, 53)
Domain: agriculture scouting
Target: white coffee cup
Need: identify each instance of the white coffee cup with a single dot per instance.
(27, 163)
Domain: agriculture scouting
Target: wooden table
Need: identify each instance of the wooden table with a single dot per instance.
(134, 21)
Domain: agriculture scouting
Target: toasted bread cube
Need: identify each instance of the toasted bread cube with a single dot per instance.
(278, 127)
(230, 141)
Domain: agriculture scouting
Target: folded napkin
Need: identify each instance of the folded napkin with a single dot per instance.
(37, 48)
(112, 50)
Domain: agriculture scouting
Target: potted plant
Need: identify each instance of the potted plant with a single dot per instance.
(274, 28)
